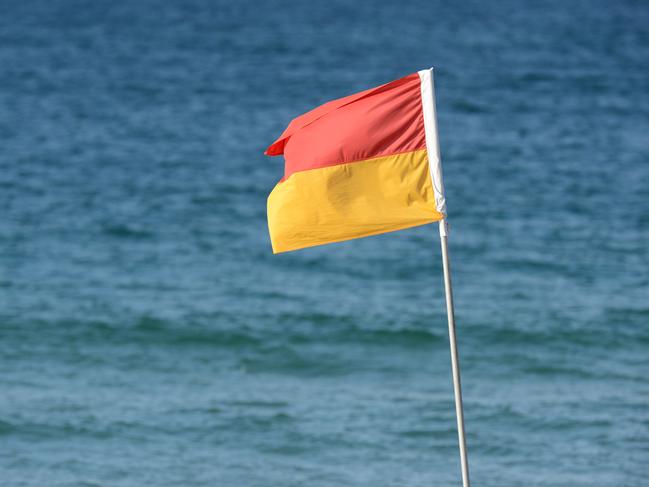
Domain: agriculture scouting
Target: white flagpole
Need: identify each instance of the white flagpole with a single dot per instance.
(455, 362)
(434, 160)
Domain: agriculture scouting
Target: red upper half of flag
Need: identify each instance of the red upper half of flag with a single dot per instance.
(377, 122)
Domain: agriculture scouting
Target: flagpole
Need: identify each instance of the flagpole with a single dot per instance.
(434, 160)
(455, 363)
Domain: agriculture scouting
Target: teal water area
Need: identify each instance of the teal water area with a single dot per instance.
(148, 336)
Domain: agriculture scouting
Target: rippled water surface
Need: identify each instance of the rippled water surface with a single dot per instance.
(149, 337)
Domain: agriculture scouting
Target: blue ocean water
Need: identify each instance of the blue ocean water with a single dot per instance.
(148, 336)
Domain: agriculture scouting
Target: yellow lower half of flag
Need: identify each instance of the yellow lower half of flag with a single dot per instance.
(353, 200)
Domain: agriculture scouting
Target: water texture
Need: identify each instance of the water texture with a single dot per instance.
(149, 337)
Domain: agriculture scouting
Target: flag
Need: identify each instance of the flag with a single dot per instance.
(358, 166)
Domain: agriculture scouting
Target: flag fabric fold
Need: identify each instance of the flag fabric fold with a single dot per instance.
(358, 166)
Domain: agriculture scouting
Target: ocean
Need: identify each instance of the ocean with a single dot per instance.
(148, 335)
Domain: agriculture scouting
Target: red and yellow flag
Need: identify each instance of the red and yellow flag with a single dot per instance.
(358, 166)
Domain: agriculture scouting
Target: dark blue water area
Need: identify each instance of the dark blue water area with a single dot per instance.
(148, 336)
